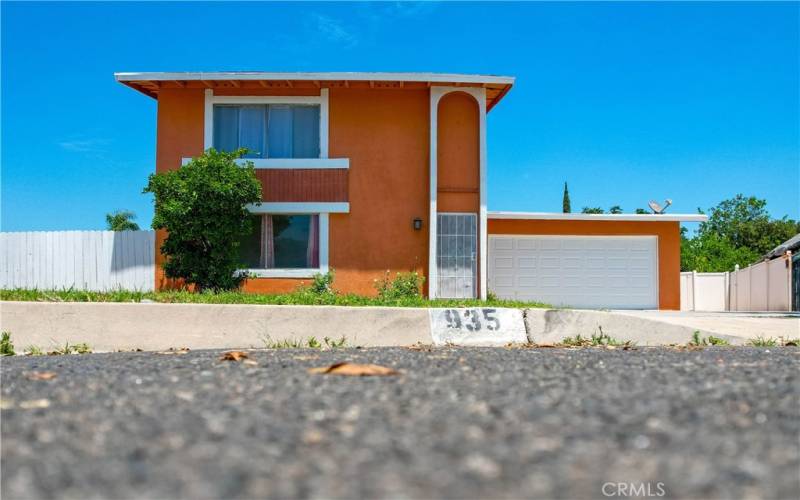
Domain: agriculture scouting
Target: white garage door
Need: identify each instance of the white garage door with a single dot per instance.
(614, 272)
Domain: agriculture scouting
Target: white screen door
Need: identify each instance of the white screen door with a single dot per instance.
(456, 255)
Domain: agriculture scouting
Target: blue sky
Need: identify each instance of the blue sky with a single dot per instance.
(626, 102)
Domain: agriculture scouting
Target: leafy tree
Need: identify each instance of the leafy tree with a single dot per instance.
(592, 210)
(738, 231)
(616, 209)
(121, 220)
(565, 204)
(745, 222)
(710, 252)
(202, 206)
(641, 211)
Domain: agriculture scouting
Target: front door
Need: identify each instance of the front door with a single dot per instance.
(456, 255)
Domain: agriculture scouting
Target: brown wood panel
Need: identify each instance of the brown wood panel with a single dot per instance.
(303, 184)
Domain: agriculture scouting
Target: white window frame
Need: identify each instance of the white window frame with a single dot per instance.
(321, 100)
(323, 268)
(321, 209)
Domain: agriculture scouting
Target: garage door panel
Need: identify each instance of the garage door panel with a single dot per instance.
(576, 271)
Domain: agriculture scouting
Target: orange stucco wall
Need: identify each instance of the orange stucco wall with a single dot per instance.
(458, 154)
(179, 134)
(385, 134)
(669, 244)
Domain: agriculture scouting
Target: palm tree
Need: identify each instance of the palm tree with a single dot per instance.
(121, 220)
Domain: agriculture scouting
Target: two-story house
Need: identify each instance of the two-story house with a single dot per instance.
(369, 172)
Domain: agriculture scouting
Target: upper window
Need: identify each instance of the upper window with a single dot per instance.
(268, 131)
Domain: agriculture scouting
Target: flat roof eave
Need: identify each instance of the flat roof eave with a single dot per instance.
(319, 76)
(599, 217)
(151, 83)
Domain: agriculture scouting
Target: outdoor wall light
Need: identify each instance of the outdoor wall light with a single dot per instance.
(417, 224)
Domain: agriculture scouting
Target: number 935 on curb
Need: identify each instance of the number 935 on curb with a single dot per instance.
(477, 326)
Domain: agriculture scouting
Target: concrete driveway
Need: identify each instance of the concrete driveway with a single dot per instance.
(745, 325)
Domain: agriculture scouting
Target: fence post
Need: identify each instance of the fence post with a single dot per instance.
(727, 286)
(694, 290)
(789, 277)
(766, 268)
(736, 286)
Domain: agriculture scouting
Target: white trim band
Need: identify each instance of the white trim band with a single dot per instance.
(299, 208)
(600, 217)
(291, 163)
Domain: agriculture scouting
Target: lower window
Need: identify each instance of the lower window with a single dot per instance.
(282, 241)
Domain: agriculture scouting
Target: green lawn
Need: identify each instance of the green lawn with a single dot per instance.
(300, 297)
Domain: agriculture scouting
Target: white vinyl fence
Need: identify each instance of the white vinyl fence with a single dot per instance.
(704, 291)
(764, 286)
(83, 260)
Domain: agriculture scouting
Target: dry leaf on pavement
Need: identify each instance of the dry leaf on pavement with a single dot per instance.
(234, 356)
(41, 375)
(172, 350)
(354, 369)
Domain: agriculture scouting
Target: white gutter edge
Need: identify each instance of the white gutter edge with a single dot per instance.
(600, 217)
(329, 76)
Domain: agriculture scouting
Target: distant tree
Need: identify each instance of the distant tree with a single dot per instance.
(121, 220)
(203, 207)
(709, 252)
(738, 231)
(565, 204)
(616, 209)
(592, 210)
(745, 222)
(641, 211)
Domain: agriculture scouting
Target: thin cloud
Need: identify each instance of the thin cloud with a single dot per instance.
(334, 30)
(94, 146)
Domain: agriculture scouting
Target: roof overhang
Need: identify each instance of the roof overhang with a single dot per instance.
(600, 217)
(151, 83)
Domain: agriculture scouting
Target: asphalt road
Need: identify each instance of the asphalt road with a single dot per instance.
(457, 423)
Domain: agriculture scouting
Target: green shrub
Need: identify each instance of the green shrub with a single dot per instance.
(202, 205)
(6, 345)
(404, 286)
(322, 283)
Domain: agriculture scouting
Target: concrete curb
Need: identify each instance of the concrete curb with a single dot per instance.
(551, 326)
(108, 326)
(149, 326)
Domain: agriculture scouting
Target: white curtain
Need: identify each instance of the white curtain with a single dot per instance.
(252, 130)
(280, 131)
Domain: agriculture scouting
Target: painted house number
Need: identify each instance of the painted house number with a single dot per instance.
(473, 320)
(477, 326)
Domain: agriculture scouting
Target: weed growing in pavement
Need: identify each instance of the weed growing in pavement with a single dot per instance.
(6, 345)
(335, 344)
(700, 341)
(80, 348)
(33, 350)
(310, 343)
(763, 342)
(596, 340)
